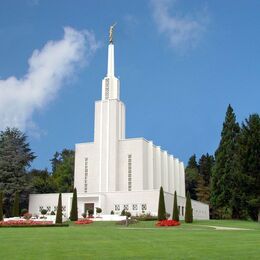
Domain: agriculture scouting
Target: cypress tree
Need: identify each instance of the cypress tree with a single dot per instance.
(59, 211)
(188, 209)
(161, 206)
(175, 213)
(16, 205)
(1, 206)
(74, 207)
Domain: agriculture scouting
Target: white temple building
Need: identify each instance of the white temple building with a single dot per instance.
(116, 173)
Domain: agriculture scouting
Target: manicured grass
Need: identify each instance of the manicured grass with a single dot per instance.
(105, 240)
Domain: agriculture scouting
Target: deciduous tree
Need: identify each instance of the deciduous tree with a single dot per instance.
(41, 181)
(63, 170)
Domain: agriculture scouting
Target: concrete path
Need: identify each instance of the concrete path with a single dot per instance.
(169, 228)
(228, 228)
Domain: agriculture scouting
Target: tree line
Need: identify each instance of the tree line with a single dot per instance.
(229, 181)
(16, 177)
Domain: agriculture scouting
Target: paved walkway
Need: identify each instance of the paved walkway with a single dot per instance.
(227, 228)
(215, 227)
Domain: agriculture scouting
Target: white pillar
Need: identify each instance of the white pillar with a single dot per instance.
(166, 178)
(158, 167)
(182, 180)
(171, 174)
(176, 176)
(150, 168)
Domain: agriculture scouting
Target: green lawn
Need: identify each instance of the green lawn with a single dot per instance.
(105, 240)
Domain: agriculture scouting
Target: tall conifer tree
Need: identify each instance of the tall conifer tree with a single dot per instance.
(226, 177)
(161, 206)
(15, 157)
(250, 162)
(59, 211)
(74, 207)
(175, 213)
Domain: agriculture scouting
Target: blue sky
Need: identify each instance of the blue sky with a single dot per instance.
(180, 64)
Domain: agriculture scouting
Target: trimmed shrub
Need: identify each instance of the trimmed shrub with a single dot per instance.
(128, 214)
(24, 211)
(112, 212)
(175, 213)
(59, 211)
(161, 206)
(74, 207)
(44, 211)
(16, 205)
(123, 212)
(127, 222)
(98, 210)
(1, 206)
(84, 215)
(27, 215)
(53, 213)
(146, 217)
(188, 209)
(90, 212)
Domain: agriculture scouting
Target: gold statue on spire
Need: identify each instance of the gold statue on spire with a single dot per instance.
(111, 29)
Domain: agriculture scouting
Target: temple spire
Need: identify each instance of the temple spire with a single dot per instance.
(110, 62)
(110, 84)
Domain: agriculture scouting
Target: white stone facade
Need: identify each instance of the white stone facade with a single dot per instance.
(137, 202)
(112, 162)
(116, 173)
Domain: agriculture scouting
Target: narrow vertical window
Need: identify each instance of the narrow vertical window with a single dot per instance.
(107, 89)
(129, 172)
(86, 175)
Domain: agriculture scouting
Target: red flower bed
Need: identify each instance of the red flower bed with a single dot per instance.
(24, 223)
(83, 221)
(167, 223)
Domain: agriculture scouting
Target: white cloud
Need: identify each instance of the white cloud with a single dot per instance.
(183, 30)
(49, 69)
